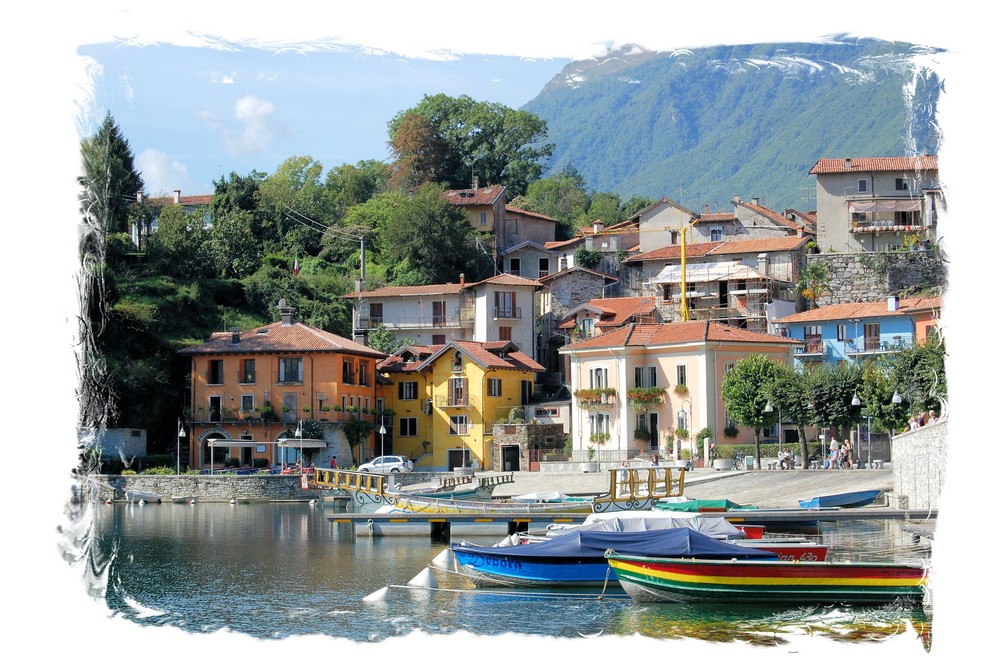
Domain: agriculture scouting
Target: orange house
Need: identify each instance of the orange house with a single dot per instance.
(254, 388)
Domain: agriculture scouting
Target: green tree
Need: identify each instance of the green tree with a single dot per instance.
(813, 283)
(178, 248)
(745, 389)
(352, 184)
(462, 138)
(427, 240)
(356, 430)
(296, 207)
(562, 196)
(789, 396)
(586, 258)
(832, 390)
(917, 373)
(386, 341)
(110, 183)
(231, 245)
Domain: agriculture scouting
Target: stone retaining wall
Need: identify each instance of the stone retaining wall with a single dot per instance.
(918, 465)
(873, 276)
(210, 488)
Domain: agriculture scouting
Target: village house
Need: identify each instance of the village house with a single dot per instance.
(854, 332)
(500, 308)
(446, 400)
(876, 204)
(251, 389)
(645, 389)
(509, 227)
(140, 231)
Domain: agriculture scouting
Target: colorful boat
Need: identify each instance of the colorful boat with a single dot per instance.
(739, 513)
(844, 500)
(577, 558)
(667, 579)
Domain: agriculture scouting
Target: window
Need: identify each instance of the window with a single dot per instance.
(513, 225)
(682, 375)
(872, 336)
(248, 370)
(505, 305)
(348, 372)
(674, 237)
(456, 362)
(374, 314)
(438, 313)
(514, 266)
(666, 293)
(862, 185)
(905, 218)
(543, 267)
(639, 376)
(600, 423)
(813, 336)
(215, 372)
(289, 370)
(493, 387)
(729, 368)
(246, 403)
(457, 392)
(640, 421)
(716, 233)
(842, 332)
(482, 219)
(859, 217)
(379, 405)
(652, 376)
(363, 374)
(587, 327)
(459, 425)
(505, 333)
(902, 184)
(407, 426)
(599, 377)
(407, 390)
(438, 339)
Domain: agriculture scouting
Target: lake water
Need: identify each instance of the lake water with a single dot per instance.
(275, 570)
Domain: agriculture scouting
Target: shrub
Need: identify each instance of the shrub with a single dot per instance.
(259, 462)
(128, 472)
(160, 471)
(231, 462)
(705, 433)
(681, 433)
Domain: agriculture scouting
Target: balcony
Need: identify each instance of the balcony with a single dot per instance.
(813, 349)
(506, 313)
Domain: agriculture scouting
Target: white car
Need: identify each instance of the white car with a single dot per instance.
(388, 464)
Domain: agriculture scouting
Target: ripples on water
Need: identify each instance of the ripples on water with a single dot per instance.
(277, 570)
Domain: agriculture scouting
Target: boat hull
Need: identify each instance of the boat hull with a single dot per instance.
(845, 500)
(650, 579)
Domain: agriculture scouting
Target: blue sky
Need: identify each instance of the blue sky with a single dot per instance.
(192, 114)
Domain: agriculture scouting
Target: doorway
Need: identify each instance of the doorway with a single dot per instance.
(510, 458)
(459, 457)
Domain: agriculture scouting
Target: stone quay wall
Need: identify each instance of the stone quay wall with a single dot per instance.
(873, 276)
(208, 488)
(918, 465)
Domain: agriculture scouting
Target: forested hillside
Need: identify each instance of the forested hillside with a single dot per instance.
(701, 126)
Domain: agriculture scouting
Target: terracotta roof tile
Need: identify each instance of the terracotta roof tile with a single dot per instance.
(280, 338)
(483, 196)
(674, 252)
(678, 333)
(775, 217)
(505, 279)
(528, 213)
(567, 271)
(717, 217)
(394, 291)
(198, 200)
(863, 310)
(618, 311)
(701, 249)
(557, 244)
(868, 164)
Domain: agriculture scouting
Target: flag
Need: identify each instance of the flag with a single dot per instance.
(295, 268)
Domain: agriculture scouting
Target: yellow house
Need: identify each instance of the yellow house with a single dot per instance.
(447, 398)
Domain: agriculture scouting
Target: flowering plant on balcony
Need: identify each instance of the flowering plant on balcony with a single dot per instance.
(589, 397)
(681, 389)
(600, 437)
(642, 399)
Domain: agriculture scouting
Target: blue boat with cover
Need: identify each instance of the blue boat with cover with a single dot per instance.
(577, 558)
(845, 500)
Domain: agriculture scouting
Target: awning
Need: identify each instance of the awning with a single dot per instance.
(237, 443)
(706, 272)
(301, 443)
(892, 205)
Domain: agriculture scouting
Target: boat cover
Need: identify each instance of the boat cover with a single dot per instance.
(695, 505)
(652, 520)
(680, 542)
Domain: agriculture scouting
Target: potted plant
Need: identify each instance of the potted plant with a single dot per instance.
(306, 409)
(731, 431)
(681, 433)
(681, 389)
(590, 466)
(641, 434)
(325, 408)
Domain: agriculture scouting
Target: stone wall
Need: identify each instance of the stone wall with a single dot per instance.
(210, 488)
(873, 276)
(525, 436)
(918, 465)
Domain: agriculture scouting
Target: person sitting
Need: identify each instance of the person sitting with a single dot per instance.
(656, 460)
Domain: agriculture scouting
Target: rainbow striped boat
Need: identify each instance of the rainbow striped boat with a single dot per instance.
(659, 579)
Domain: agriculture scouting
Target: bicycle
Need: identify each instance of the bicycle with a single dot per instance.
(737, 462)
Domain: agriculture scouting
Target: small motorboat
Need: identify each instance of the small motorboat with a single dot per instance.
(844, 500)
(137, 496)
(669, 579)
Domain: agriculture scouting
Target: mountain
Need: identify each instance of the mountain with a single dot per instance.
(700, 126)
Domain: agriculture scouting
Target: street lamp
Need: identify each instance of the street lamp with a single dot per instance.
(298, 433)
(180, 433)
(381, 430)
(682, 415)
(770, 409)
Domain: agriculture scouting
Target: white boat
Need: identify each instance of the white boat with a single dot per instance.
(136, 496)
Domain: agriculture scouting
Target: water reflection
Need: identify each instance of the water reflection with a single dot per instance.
(276, 570)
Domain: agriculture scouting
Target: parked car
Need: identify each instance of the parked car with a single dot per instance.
(388, 464)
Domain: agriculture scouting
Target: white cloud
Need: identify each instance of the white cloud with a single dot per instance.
(258, 126)
(162, 175)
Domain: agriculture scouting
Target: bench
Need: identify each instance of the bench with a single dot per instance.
(772, 463)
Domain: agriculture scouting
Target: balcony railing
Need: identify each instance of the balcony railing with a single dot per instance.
(506, 312)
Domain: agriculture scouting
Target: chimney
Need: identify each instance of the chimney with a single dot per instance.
(706, 208)
(598, 225)
(755, 200)
(893, 303)
(762, 264)
(847, 163)
(236, 335)
(737, 198)
(801, 232)
(177, 196)
(287, 313)
(461, 280)
(475, 182)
